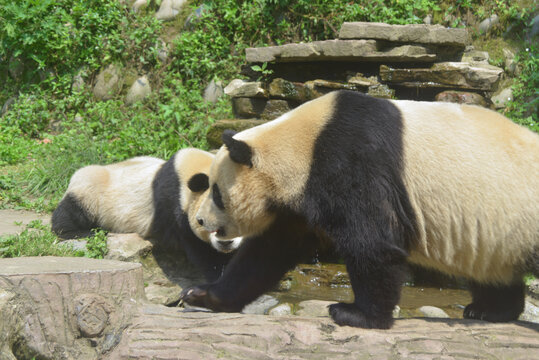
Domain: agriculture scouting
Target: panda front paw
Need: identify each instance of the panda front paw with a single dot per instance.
(350, 315)
(196, 296)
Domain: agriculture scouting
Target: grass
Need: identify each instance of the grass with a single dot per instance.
(38, 240)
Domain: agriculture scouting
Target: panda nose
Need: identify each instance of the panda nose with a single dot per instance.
(200, 221)
(225, 242)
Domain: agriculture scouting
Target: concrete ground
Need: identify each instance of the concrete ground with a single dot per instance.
(13, 221)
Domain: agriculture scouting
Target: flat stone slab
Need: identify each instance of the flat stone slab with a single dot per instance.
(168, 333)
(13, 221)
(339, 50)
(476, 76)
(413, 33)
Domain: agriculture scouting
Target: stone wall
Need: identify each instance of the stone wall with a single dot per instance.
(417, 62)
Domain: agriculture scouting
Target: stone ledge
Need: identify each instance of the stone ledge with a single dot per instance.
(414, 33)
(167, 333)
(339, 50)
(477, 76)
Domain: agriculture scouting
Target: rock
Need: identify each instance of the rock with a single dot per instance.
(216, 130)
(139, 4)
(65, 308)
(320, 87)
(509, 62)
(77, 245)
(339, 50)
(531, 312)
(314, 308)
(502, 97)
(359, 80)
(127, 247)
(9, 102)
(281, 310)
(413, 33)
(194, 17)
(284, 89)
(78, 83)
(433, 312)
(475, 56)
(461, 97)
(214, 91)
(533, 289)
(164, 333)
(163, 292)
(162, 51)
(108, 84)
(242, 88)
(275, 108)
(534, 30)
(427, 20)
(138, 91)
(396, 312)
(381, 91)
(477, 76)
(169, 9)
(486, 25)
(261, 305)
(245, 107)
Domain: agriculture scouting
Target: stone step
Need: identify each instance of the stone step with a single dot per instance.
(340, 50)
(412, 33)
(473, 76)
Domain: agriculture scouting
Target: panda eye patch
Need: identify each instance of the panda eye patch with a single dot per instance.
(216, 195)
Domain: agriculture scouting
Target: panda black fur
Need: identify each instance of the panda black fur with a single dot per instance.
(148, 196)
(446, 186)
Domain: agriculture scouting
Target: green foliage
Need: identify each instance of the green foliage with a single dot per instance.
(524, 108)
(97, 244)
(63, 35)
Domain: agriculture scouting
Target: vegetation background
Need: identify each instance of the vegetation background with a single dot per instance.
(51, 129)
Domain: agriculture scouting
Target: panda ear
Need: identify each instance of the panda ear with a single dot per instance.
(198, 182)
(240, 152)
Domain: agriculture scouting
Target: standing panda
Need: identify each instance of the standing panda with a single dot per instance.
(449, 187)
(148, 196)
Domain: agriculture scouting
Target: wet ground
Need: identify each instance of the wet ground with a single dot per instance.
(330, 282)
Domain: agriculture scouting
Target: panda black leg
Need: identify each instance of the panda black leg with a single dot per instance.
(376, 287)
(495, 303)
(70, 220)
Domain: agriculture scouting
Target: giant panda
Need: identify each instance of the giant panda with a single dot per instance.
(155, 198)
(449, 187)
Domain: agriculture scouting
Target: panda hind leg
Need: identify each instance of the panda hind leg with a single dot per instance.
(70, 220)
(500, 303)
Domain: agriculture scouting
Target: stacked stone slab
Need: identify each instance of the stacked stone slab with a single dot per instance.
(420, 62)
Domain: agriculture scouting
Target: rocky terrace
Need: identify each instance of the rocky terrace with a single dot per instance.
(418, 62)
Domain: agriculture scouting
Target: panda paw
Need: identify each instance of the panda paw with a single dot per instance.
(351, 315)
(478, 312)
(196, 296)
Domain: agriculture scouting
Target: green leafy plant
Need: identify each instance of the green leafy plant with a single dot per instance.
(262, 70)
(97, 244)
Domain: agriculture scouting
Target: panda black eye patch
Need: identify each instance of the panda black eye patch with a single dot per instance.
(217, 199)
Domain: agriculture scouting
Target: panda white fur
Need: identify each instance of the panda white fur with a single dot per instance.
(149, 196)
(446, 186)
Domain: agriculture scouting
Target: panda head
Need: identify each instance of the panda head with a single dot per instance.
(193, 166)
(239, 194)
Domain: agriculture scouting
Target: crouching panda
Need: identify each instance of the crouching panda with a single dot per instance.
(155, 198)
(450, 187)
